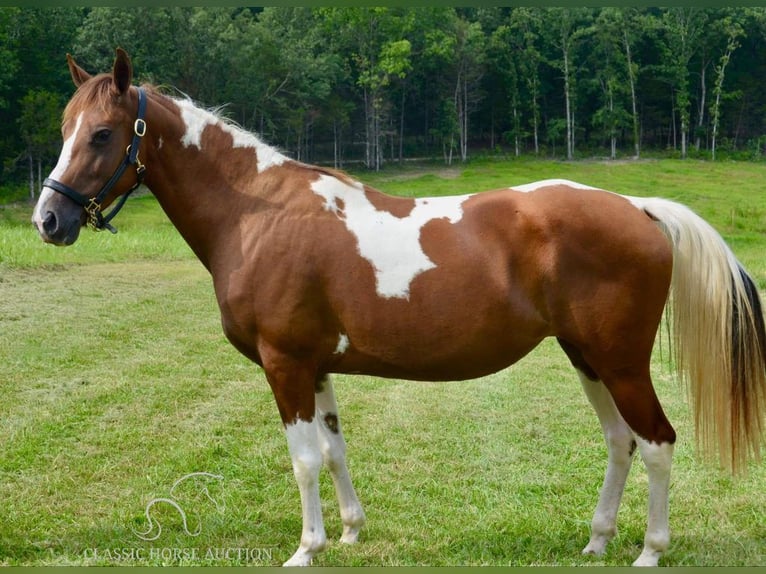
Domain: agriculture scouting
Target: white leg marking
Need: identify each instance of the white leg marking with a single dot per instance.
(333, 447)
(620, 445)
(391, 244)
(658, 459)
(65, 157)
(307, 462)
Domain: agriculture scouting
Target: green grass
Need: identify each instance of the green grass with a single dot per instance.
(116, 381)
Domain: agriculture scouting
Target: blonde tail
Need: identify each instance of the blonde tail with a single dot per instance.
(718, 335)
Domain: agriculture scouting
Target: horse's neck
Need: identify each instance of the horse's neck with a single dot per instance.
(204, 172)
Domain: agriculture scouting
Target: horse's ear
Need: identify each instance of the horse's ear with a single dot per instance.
(122, 73)
(79, 76)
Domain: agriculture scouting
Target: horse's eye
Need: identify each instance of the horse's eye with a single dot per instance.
(101, 136)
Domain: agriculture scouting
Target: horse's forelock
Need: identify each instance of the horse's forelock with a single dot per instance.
(96, 92)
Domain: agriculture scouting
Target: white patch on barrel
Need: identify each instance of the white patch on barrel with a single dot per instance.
(65, 158)
(391, 244)
(527, 187)
(196, 120)
(342, 344)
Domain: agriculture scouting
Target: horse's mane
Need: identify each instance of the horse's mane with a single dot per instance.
(336, 173)
(217, 112)
(99, 90)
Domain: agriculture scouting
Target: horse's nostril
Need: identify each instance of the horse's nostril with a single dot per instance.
(49, 223)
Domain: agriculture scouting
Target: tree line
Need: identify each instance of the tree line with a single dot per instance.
(384, 84)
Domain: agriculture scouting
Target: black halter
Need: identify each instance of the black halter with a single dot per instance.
(92, 205)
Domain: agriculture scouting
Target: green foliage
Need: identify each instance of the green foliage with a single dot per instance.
(39, 121)
(8, 60)
(370, 83)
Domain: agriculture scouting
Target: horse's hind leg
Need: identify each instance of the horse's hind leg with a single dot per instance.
(657, 458)
(637, 402)
(333, 448)
(620, 446)
(634, 402)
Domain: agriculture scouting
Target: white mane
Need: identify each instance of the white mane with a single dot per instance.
(197, 119)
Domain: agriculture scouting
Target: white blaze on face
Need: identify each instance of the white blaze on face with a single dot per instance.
(196, 120)
(391, 244)
(527, 187)
(65, 158)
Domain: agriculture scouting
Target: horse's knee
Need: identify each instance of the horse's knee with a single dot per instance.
(620, 443)
(305, 451)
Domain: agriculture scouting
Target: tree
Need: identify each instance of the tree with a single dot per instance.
(157, 39)
(33, 42)
(502, 61)
(631, 21)
(8, 53)
(468, 69)
(446, 130)
(683, 28)
(513, 53)
(306, 70)
(379, 52)
(39, 124)
(733, 31)
(8, 67)
(612, 69)
(459, 49)
(525, 22)
(566, 27)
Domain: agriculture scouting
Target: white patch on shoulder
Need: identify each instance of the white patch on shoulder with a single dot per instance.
(391, 244)
(342, 344)
(196, 120)
(527, 187)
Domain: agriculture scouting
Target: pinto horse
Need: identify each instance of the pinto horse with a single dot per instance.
(316, 273)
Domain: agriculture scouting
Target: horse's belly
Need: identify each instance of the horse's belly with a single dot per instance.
(464, 352)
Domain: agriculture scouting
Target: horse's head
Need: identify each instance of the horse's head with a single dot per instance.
(101, 139)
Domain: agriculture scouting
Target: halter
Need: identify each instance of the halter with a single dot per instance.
(92, 205)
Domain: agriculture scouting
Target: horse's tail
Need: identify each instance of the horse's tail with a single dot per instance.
(718, 334)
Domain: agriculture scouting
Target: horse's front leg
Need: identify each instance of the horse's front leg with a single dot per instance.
(307, 462)
(293, 388)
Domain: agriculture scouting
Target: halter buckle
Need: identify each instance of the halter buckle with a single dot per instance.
(139, 127)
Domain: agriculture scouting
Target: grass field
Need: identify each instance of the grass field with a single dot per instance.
(116, 381)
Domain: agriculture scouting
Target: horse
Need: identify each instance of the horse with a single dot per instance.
(316, 273)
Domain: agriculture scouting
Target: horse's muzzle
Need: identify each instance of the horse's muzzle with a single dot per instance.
(56, 221)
